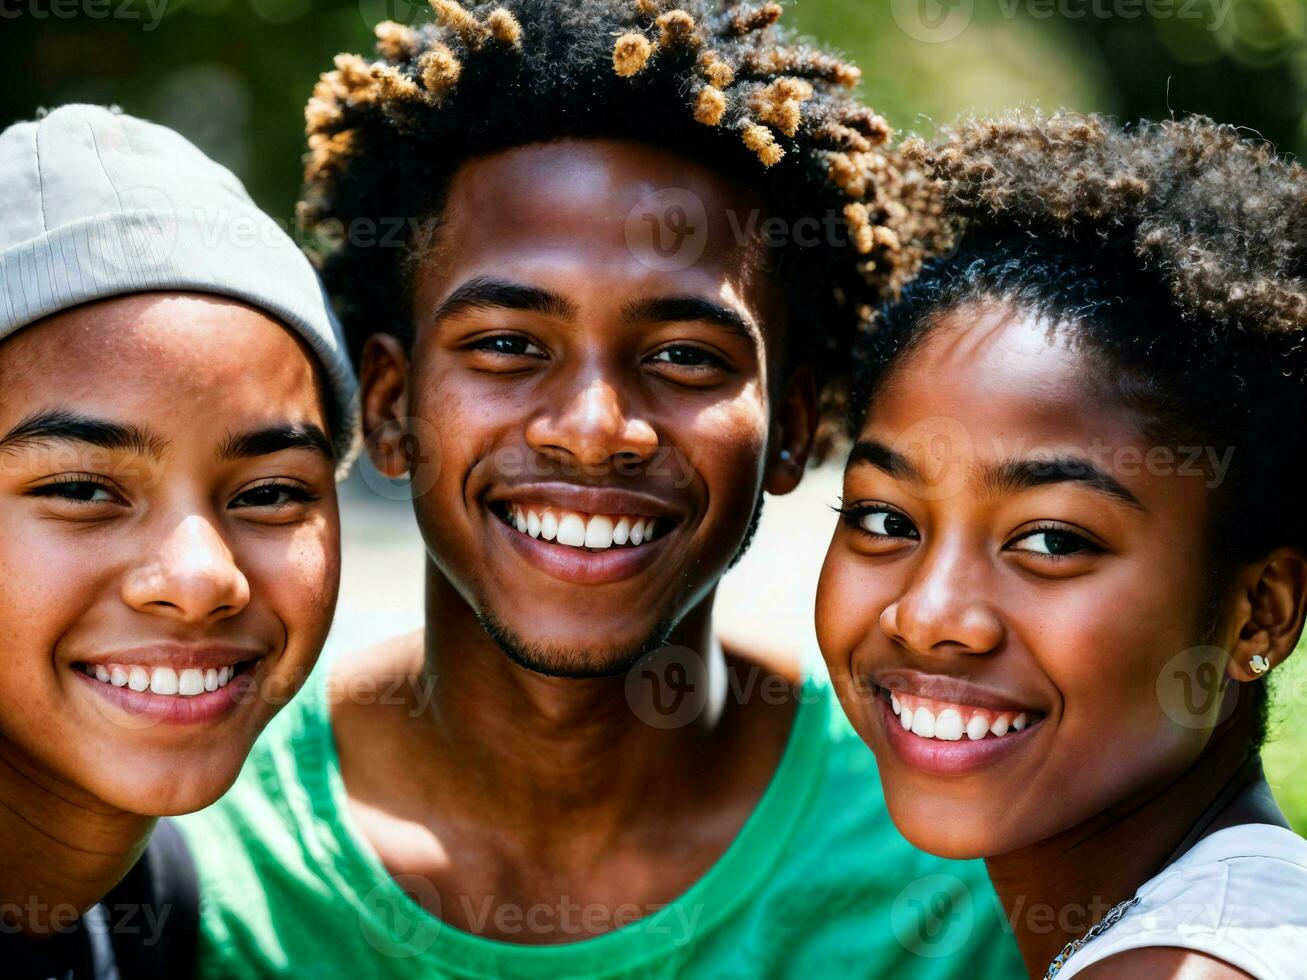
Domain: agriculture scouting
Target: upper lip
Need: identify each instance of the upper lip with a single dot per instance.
(176, 655)
(586, 500)
(942, 687)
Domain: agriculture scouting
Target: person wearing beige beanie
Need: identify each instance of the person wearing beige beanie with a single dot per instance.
(176, 408)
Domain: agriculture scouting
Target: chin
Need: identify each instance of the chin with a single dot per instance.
(576, 656)
(163, 793)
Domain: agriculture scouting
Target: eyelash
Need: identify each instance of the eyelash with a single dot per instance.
(297, 493)
(853, 515)
(51, 490)
(1084, 545)
(487, 344)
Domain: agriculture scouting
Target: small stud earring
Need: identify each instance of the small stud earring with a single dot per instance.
(787, 456)
(1259, 664)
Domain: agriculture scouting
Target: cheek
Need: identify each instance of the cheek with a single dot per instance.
(1111, 652)
(297, 578)
(725, 442)
(51, 580)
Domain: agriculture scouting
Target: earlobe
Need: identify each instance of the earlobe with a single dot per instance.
(383, 383)
(794, 428)
(1276, 604)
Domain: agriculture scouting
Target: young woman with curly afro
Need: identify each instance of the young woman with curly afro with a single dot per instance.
(1073, 546)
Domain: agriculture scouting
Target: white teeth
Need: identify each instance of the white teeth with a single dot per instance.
(171, 682)
(163, 681)
(948, 726)
(596, 531)
(190, 682)
(599, 532)
(923, 723)
(571, 531)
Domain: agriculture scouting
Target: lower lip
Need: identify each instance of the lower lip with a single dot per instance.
(174, 709)
(579, 565)
(949, 758)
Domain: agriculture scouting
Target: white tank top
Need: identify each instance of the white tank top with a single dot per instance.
(1239, 895)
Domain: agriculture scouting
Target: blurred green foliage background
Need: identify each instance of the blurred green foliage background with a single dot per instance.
(233, 76)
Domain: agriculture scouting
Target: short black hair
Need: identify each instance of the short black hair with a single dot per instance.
(719, 82)
(1176, 254)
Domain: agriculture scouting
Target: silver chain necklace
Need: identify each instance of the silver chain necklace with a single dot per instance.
(1107, 922)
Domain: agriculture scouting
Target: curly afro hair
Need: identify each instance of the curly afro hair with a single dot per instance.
(722, 83)
(1175, 253)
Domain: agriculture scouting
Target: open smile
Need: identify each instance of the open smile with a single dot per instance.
(952, 737)
(185, 689)
(582, 535)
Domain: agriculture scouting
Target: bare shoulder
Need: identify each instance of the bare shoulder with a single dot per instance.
(373, 676)
(1163, 961)
(754, 663)
(401, 653)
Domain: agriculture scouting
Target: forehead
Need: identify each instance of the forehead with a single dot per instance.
(1009, 380)
(174, 359)
(591, 215)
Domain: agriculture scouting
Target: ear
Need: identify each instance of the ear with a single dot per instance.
(383, 393)
(1272, 605)
(793, 431)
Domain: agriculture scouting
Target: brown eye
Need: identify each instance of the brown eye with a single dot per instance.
(1054, 543)
(684, 355)
(510, 345)
(272, 495)
(77, 491)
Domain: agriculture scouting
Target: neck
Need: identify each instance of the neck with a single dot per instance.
(63, 849)
(529, 744)
(1054, 890)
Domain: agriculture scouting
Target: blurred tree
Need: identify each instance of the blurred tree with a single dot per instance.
(233, 75)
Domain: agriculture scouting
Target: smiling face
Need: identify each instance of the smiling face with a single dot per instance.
(169, 543)
(1013, 575)
(591, 429)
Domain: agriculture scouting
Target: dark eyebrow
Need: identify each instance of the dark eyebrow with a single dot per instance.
(1026, 474)
(65, 426)
(879, 455)
(690, 309)
(485, 292)
(275, 439)
(1011, 476)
